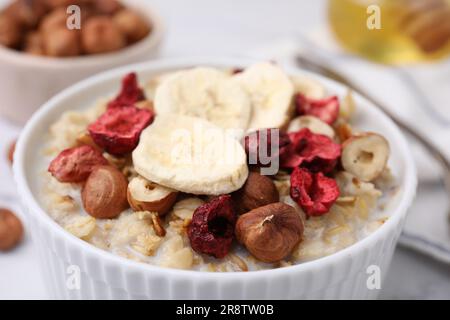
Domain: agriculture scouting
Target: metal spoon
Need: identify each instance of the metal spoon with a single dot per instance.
(323, 69)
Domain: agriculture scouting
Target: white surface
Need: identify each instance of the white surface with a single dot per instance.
(234, 27)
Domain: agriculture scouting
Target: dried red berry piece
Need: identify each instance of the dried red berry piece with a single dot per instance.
(75, 164)
(129, 94)
(314, 192)
(326, 109)
(117, 131)
(255, 142)
(313, 151)
(211, 230)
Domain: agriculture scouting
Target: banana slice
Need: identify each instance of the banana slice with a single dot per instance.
(312, 123)
(205, 93)
(144, 195)
(365, 155)
(271, 93)
(309, 87)
(190, 154)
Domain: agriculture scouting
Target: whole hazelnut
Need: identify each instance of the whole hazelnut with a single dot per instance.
(101, 35)
(11, 230)
(57, 19)
(27, 12)
(52, 4)
(270, 233)
(108, 7)
(34, 43)
(62, 43)
(257, 191)
(132, 25)
(104, 194)
(10, 32)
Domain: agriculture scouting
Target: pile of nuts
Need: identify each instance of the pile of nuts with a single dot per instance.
(317, 145)
(39, 27)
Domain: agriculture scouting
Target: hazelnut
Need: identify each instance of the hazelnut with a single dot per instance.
(365, 155)
(11, 230)
(10, 32)
(52, 4)
(57, 19)
(144, 195)
(34, 44)
(257, 191)
(101, 35)
(108, 7)
(270, 233)
(105, 193)
(11, 150)
(133, 26)
(62, 43)
(27, 12)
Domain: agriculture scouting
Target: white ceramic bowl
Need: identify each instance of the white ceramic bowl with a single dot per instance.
(104, 275)
(27, 81)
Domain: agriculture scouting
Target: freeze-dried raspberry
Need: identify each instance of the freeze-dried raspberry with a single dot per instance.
(254, 141)
(129, 94)
(314, 192)
(212, 227)
(75, 164)
(313, 151)
(117, 131)
(326, 109)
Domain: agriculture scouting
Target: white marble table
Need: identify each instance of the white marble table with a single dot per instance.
(232, 27)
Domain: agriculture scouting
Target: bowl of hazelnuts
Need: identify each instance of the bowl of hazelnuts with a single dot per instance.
(47, 45)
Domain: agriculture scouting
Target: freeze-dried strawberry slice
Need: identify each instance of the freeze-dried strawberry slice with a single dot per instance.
(314, 192)
(75, 164)
(129, 94)
(211, 230)
(313, 151)
(326, 109)
(261, 148)
(117, 131)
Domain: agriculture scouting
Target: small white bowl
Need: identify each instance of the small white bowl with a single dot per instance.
(27, 81)
(104, 275)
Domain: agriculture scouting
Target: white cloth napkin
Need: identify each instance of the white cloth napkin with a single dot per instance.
(420, 96)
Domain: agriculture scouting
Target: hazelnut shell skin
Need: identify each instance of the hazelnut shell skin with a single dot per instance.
(257, 191)
(133, 26)
(104, 194)
(162, 206)
(270, 233)
(62, 43)
(11, 230)
(101, 35)
(10, 32)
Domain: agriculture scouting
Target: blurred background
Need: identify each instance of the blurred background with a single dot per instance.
(398, 50)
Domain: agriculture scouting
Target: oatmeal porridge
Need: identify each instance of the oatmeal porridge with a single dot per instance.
(217, 170)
